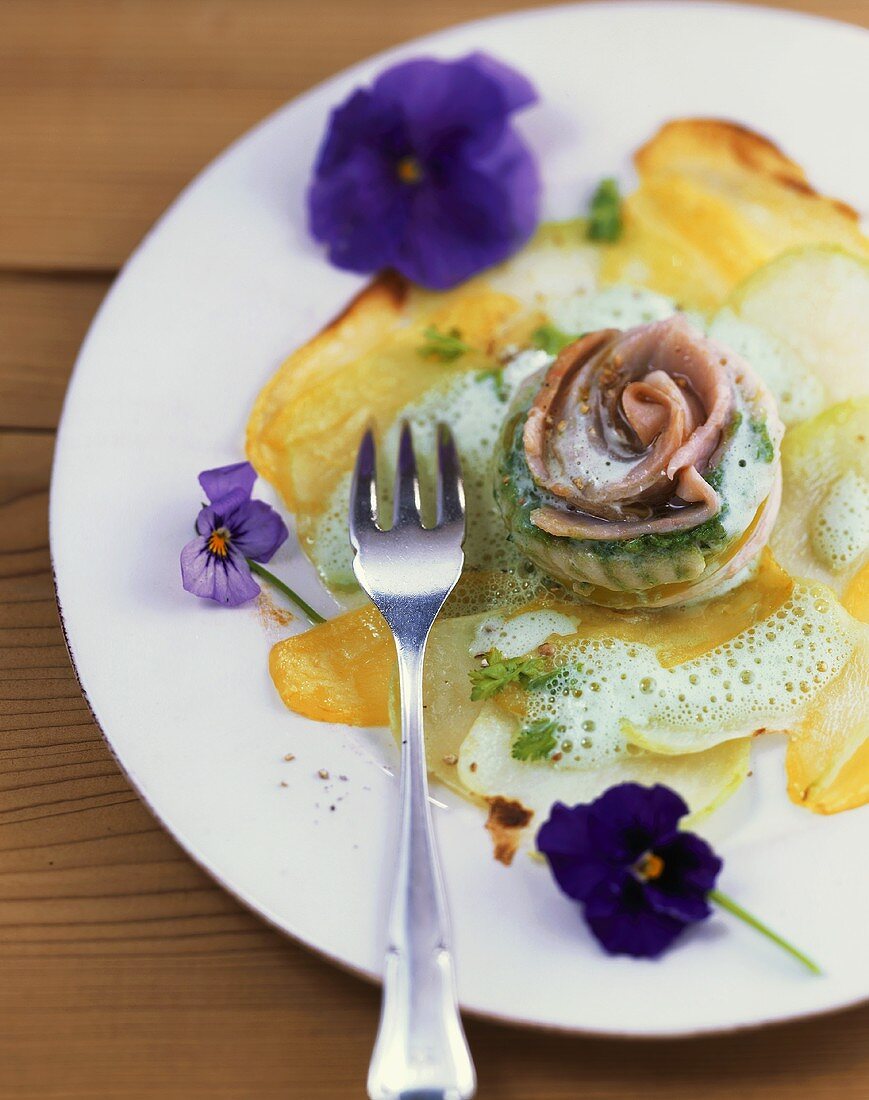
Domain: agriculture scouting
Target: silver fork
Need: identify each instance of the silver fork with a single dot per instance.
(408, 571)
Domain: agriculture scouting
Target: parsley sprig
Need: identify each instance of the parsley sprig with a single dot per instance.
(605, 213)
(551, 339)
(542, 683)
(445, 346)
(765, 451)
(496, 374)
(500, 671)
(536, 740)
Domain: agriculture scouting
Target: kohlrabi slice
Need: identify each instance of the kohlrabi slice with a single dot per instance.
(798, 391)
(822, 530)
(487, 769)
(813, 304)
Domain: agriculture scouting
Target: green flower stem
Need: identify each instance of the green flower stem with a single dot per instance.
(310, 614)
(730, 905)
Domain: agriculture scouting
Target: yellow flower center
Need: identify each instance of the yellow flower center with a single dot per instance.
(650, 867)
(409, 170)
(218, 542)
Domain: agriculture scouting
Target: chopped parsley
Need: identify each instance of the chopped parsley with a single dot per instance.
(501, 671)
(733, 426)
(502, 390)
(551, 339)
(765, 450)
(536, 740)
(605, 213)
(710, 536)
(545, 682)
(715, 476)
(445, 346)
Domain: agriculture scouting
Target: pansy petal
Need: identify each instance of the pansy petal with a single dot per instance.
(470, 222)
(224, 479)
(640, 935)
(565, 832)
(357, 205)
(226, 580)
(256, 530)
(214, 515)
(579, 878)
(629, 819)
(441, 99)
(360, 212)
(362, 122)
(690, 871)
(516, 89)
(625, 923)
(688, 907)
(594, 851)
(422, 172)
(689, 857)
(574, 862)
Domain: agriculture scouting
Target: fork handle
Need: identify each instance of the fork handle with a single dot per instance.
(421, 1051)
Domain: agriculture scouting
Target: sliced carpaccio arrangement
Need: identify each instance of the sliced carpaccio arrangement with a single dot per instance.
(664, 445)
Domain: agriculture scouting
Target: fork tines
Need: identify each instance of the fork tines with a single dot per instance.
(449, 490)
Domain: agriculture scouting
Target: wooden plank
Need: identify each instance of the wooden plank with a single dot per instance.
(107, 109)
(43, 321)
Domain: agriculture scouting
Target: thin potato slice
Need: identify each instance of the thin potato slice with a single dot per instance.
(338, 671)
(716, 201)
(823, 527)
(828, 752)
(307, 422)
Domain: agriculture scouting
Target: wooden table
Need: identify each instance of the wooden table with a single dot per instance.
(125, 971)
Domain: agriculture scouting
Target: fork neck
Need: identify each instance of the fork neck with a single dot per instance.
(411, 624)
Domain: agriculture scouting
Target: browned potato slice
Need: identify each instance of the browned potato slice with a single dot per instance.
(715, 202)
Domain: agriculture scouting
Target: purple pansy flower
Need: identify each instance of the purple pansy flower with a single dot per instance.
(424, 173)
(231, 529)
(639, 879)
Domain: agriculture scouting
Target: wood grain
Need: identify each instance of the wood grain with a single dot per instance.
(127, 973)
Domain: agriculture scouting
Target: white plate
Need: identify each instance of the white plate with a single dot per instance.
(221, 290)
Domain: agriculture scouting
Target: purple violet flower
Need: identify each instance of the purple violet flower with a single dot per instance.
(232, 528)
(424, 173)
(639, 879)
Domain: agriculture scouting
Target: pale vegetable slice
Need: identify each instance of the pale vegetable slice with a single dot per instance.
(797, 390)
(488, 771)
(449, 710)
(856, 596)
(823, 527)
(814, 302)
(557, 265)
(828, 752)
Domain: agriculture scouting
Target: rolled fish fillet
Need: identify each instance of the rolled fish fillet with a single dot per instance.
(642, 467)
